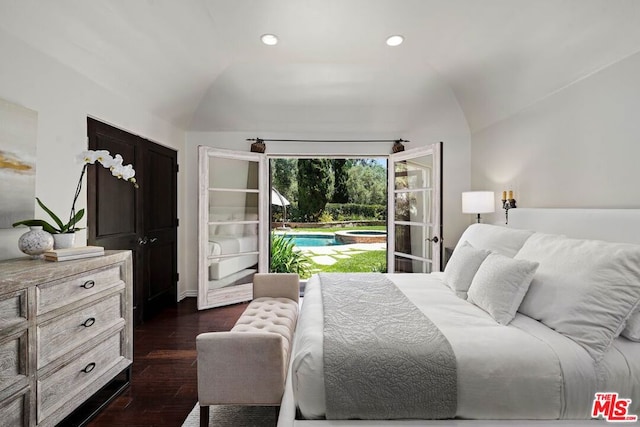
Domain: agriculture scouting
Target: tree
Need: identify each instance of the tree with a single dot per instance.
(315, 187)
(284, 177)
(340, 177)
(367, 184)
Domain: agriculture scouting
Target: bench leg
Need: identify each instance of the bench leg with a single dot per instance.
(204, 416)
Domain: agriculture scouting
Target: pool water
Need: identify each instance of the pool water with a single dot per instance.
(313, 240)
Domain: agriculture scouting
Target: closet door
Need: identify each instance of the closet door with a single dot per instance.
(232, 239)
(415, 206)
(143, 220)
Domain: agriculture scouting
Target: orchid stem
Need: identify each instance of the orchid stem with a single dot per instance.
(75, 198)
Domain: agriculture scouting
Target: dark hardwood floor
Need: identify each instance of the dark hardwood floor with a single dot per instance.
(163, 386)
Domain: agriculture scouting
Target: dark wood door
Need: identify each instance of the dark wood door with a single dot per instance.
(161, 231)
(143, 220)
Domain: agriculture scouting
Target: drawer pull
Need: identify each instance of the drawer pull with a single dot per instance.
(90, 367)
(88, 284)
(89, 322)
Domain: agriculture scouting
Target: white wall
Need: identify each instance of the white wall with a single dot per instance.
(578, 147)
(451, 128)
(63, 100)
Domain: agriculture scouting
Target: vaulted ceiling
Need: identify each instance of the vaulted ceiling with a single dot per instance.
(200, 63)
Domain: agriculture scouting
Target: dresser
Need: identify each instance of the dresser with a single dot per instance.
(66, 331)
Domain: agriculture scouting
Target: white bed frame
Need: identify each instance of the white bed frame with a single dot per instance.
(614, 225)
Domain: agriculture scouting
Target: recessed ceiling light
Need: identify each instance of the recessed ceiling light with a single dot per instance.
(395, 40)
(269, 39)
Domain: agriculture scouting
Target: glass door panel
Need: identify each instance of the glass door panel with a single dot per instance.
(415, 202)
(238, 174)
(230, 234)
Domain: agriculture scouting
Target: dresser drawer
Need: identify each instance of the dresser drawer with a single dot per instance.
(64, 333)
(13, 360)
(13, 308)
(53, 295)
(70, 381)
(14, 411)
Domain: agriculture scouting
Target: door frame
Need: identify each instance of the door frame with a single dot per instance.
(436, 206)
(235, 293)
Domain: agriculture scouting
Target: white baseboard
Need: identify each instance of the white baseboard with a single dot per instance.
(188, 294)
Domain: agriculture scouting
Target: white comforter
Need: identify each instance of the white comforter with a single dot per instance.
(521, 371)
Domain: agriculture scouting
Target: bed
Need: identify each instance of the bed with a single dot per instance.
(232, 248)
(535, 355)
(220, 245)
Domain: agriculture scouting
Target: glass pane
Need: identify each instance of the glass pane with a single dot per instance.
(414, 173)
(413, 206)
(412, 240)
(232, 206)
(232, 244)
(236, 270)
(232, 173)
(407, 265)
(409, 240)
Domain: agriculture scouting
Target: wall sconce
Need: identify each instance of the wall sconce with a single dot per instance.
(508, 202)
(397, 146)
(477, 202)
(258, 146)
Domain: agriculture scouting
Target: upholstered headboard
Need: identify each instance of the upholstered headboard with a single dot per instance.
(613, 225)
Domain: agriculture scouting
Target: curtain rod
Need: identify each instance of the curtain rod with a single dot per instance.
(325, 140)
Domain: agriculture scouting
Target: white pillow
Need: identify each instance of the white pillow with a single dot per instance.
(500, 284)
(632, 330)
(214, 228)
(584, 289)
(462, 266)
(495, 238)
(230, 229)
(251, 229)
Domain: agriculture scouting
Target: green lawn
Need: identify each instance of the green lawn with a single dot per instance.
(365, 262)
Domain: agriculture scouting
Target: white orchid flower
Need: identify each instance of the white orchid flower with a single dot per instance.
(117, 160)
(114, 164)
(104, 158)
(117, 171)
(128, 172)
(87, 157)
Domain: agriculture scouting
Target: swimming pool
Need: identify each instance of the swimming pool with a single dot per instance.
(313, 239)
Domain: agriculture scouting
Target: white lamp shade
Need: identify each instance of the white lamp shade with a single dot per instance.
(477, 202)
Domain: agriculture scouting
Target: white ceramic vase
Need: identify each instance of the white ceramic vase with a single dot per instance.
(35, 242)
(64, 240)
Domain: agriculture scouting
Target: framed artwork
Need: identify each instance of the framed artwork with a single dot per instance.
(18, 138)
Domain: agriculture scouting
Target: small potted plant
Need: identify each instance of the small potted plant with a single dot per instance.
(64, 234)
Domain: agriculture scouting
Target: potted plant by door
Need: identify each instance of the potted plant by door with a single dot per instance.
(64, 234)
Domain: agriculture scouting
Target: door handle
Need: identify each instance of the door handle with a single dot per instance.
(153, 240)
(434, 240)
(143, 240)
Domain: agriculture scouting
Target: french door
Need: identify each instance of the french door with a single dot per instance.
(232, 240)
(415, 210)
(233, 226)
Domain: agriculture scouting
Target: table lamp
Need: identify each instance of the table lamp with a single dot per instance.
(478, 202)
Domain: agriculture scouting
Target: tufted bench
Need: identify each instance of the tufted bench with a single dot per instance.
(248, 365)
